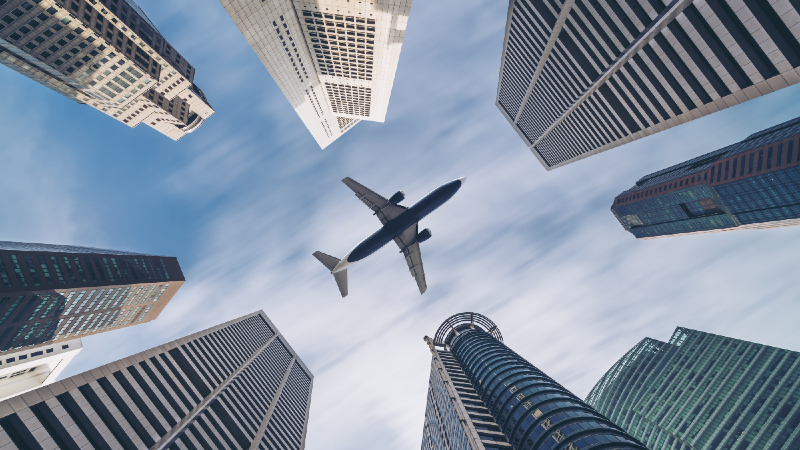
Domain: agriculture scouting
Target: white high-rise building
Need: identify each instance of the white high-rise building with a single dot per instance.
(24, 370)
(335, 60)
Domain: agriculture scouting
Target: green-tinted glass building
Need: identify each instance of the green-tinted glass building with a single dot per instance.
(701, 391)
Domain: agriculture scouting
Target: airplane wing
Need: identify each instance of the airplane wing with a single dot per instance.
(409, 247)
(378, 204)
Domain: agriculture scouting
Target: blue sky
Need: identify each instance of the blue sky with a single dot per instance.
(245, 200)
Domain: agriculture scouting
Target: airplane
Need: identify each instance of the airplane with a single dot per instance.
(399, 224)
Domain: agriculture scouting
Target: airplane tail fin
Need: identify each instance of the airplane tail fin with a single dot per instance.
(330, 262)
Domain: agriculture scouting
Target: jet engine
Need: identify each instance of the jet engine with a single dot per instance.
(398, 197)
(424, 235)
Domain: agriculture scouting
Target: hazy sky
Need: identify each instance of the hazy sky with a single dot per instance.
(246, 200)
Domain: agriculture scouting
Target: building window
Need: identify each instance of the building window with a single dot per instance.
(741, 172)
(727, 167)
(108, 267)
(57, 269)
(789, 152)
(80, 270)
(779, 156)
(4, 274)
(90, 270)
(752, 158)
(45, 270)
(733, 172)
(769, 159)
(32, 270)
(713, 168)
(760, 160)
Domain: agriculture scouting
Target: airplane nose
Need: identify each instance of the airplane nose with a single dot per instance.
(462, 180)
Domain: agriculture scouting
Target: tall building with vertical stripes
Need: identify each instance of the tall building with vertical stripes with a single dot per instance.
(483, 396)
(579, 77)
(335, 61)
(105, 54)
(752, 184)
(238, 385)
(701, 391)
(55, 293)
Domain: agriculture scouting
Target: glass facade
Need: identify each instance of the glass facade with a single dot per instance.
(505, 400)
(752, 184)
(704, 391)
(51, 293)
(442, 429)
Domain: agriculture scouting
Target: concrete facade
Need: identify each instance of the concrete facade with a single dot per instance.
(105, 54)
(334, 60)
(237, 385)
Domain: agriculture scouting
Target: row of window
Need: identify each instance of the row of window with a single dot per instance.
(337, 17)
(753, 163)
(32, 355)
(69, 269)
(288, 52)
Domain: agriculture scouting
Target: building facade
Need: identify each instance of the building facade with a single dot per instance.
(701, 391)
(238, 385)
(55, 293)
(754, 183)
(105, 54)
(335, 61)
(25, 370)
(482, 395)
(581, 77)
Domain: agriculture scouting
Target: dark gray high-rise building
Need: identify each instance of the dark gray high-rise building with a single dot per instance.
(55, 293)
(106, 54)
(754, 183)
(238, 385)
(483, 396)
(581, 77)
(701, 391)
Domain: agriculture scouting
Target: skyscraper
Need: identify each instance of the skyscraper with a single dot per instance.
(25, 370)
(581, 77)
(701, 391)
(482, 395)
(334, 61)
(754, 183)
(105, 54)
(238, 385)
(54, 293)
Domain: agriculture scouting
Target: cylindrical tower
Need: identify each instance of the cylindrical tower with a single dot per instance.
(529, 409)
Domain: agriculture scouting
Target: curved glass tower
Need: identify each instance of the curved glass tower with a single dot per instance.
(702, 391)
(482, 395)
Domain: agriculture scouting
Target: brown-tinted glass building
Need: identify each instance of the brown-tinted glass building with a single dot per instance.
(751, 184)
(50, 293)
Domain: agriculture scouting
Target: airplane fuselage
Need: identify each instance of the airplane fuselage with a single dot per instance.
(396, 226)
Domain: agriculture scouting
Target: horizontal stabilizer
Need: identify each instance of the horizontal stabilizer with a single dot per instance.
(341, 281)
(330, 262)
(327, 260)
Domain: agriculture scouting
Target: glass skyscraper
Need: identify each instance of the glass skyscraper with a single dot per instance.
(54, 293)
(482, 395)
(701, 391)
(754, 183)
(238, 385)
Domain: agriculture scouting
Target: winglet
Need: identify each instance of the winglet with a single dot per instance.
(330, 262)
